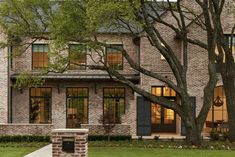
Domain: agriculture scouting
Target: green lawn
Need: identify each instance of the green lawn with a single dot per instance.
(16, 149)
(16, 152)
(156, 152)
(129, 149)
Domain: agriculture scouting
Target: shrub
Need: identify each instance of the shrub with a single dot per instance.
(112, 138)
(24, 138)
(225, 135)
(214, 134)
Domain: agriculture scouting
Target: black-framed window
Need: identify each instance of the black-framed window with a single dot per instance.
(231, 42)
(77, 56)
(40, 105)
(217, 116)
(113, 104)
(114, 57)
(40, 57)
(77, 106)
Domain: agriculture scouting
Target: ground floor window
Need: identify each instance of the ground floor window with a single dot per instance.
(163, 119)
(40, 105)
(217, 117)
(113, 104)
(77, 106)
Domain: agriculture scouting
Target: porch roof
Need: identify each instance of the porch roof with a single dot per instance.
(75, 76)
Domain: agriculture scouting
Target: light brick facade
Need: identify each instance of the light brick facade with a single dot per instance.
(3, 83)
(145, 54)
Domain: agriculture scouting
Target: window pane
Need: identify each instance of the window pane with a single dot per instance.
(40, 56)
(40, 105)
(114, 57)
(169, 116)
(156, 114)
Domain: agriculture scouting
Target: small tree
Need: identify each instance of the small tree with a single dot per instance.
(109, 121)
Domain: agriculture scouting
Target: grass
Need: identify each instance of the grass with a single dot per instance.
(156, 152)
(15, 149)
(135, 148)
(16, 152)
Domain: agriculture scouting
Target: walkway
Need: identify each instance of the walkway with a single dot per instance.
(43, 152)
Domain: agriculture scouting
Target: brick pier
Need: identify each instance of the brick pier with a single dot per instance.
(70, 143)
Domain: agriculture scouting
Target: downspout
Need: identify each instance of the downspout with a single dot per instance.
(9, 89)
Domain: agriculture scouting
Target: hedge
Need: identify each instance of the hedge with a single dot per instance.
(24, 138)
(105, 138)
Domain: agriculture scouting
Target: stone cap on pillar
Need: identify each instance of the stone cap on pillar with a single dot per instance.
(71, 130)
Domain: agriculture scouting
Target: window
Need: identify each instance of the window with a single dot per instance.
(114, 104)
(217, 116)
(231, 42)
(77, 106)
(77, 55)
(114, 58)
(40, 105)
(40, 56)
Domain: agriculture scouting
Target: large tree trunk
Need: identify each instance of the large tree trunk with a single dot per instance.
(193, 134)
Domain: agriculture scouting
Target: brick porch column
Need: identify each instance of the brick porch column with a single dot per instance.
(63, 141)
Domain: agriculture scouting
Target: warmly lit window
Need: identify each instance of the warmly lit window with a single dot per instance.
(77, 106)
(40, 56)
(114, 104)
(77, 54)
(217, 116)
(114, 58)
(40, 105)
(159, 113)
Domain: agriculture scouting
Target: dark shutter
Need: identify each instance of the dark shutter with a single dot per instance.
(143, 117)
(193, 101)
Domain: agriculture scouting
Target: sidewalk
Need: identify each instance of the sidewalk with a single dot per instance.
(42, 152)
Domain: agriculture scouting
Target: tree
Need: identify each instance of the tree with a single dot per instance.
(225, 60)
(78, 21)
(109, 122)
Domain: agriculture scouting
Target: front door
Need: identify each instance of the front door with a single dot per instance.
(163, 119)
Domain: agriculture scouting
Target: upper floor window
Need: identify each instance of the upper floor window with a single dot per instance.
(114, 104)
(114, 58)
(40, 105)
(77, 56)
(40, 57)
(231, 43)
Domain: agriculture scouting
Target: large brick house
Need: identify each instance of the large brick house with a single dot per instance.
(79, 97)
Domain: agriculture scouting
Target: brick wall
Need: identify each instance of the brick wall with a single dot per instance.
(79, 136)
(98, 129)
(23, 62)
(21, 104)
(3, 83)
(25, 129)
